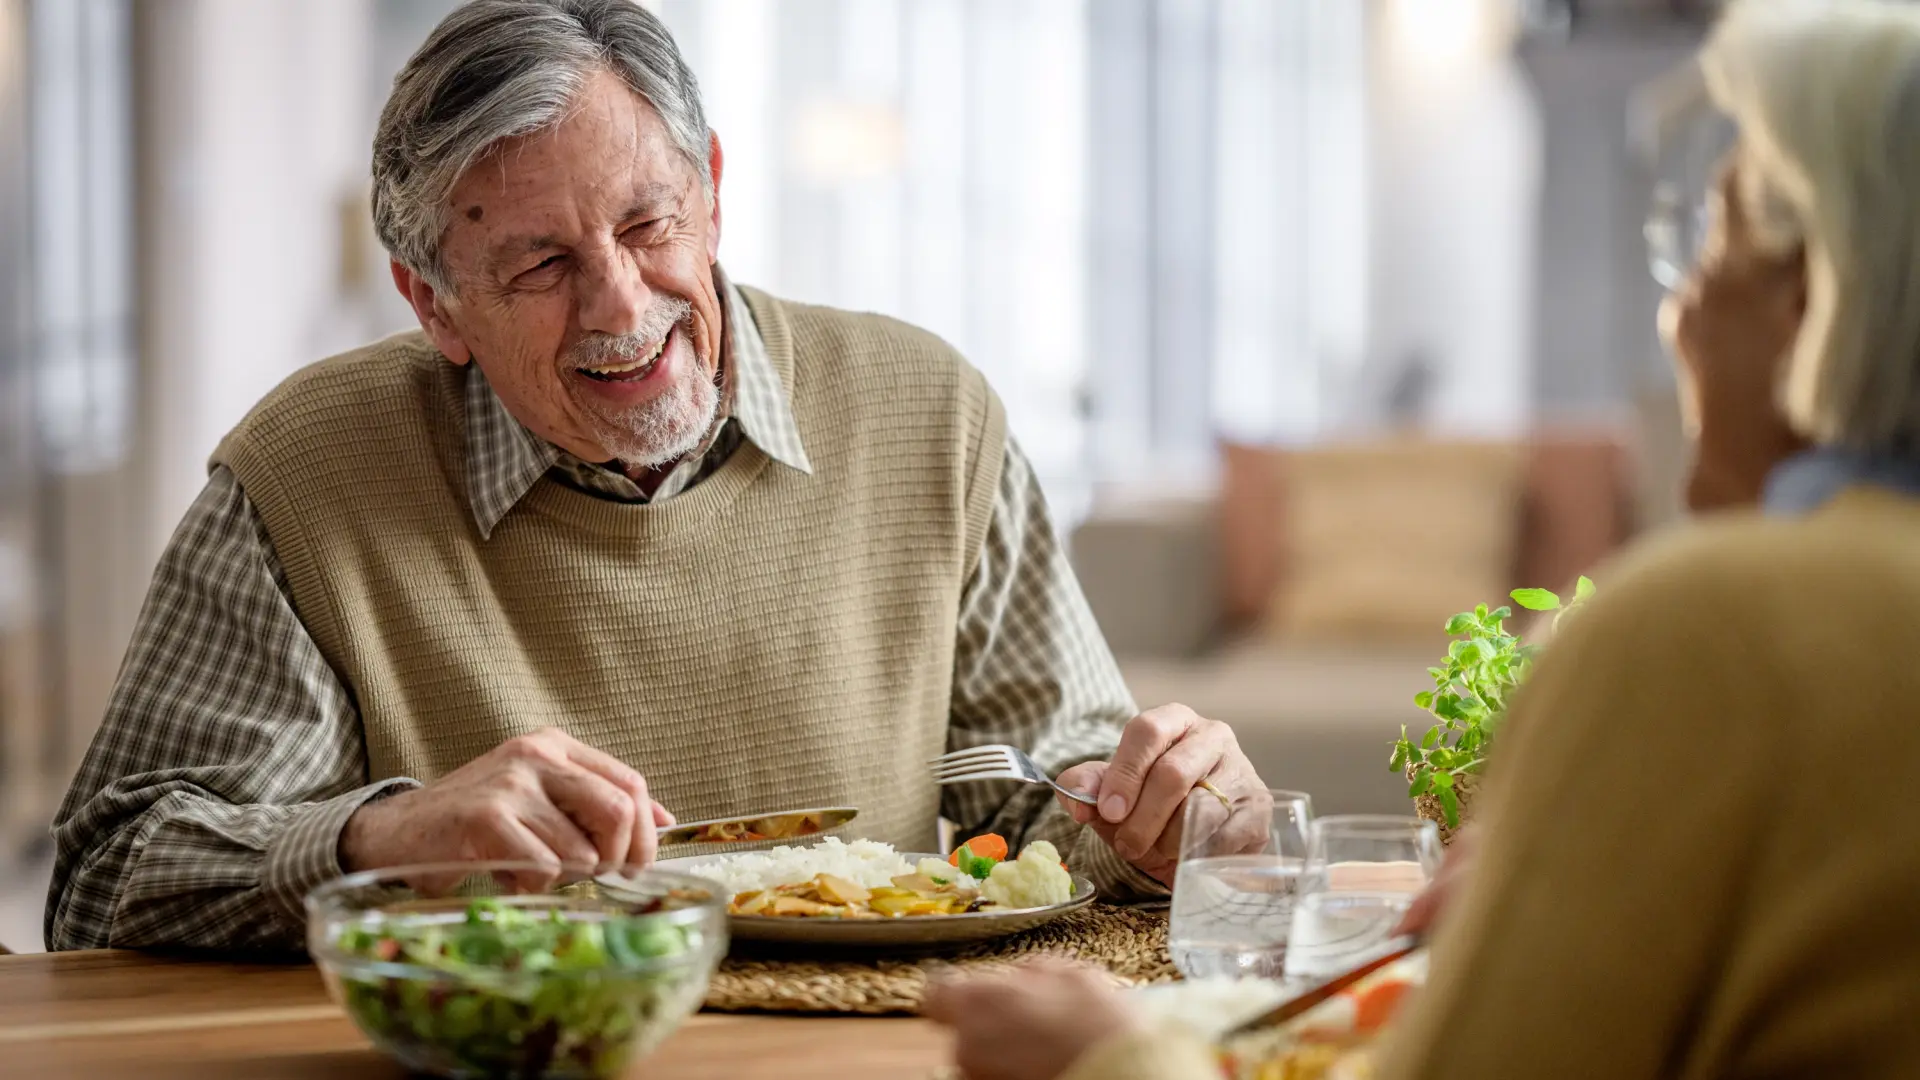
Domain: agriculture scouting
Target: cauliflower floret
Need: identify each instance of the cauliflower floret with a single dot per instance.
(940, 870)
(1035, 879)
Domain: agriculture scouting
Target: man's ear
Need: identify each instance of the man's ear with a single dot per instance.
(716, 162)
(432, 315)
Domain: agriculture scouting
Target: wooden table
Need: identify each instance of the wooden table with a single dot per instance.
(114, 1013)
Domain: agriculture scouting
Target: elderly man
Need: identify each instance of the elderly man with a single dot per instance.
(609, 535)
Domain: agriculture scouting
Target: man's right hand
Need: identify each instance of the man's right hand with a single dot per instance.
(545, 798)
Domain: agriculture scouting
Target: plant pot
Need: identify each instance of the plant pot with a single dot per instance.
(1428, 807)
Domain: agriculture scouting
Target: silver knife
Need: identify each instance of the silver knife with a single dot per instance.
(780, 825)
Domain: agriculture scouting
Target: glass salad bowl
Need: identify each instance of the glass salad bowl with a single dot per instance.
(498, 969)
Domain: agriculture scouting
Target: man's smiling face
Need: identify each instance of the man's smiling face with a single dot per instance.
(580, 259)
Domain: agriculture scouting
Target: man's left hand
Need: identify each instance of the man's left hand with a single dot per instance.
(1164, 754)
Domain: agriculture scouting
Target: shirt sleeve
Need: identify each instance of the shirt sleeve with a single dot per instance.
(1032, 669)
(1635, 789)
(230, 757)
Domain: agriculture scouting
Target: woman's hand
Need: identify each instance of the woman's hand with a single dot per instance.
(1730, 325)
(1446, 885)
(1029, 1023)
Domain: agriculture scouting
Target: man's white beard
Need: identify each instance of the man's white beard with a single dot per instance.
(665, 429)
(670, 426)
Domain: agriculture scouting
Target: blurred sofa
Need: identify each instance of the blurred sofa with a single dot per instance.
(1303, 601)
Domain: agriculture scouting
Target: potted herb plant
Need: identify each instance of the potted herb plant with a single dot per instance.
(1484, 666)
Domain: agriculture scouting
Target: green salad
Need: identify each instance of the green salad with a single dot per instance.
(532, 993)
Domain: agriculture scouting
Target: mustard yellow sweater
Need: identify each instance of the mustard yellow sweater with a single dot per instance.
(1703, 854)
(765, 639)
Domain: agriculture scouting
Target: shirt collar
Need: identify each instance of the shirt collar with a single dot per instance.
(1806, 481)
(505, 460)
(760, 400)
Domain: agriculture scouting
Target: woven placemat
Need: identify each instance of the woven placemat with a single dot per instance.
(1131, 944)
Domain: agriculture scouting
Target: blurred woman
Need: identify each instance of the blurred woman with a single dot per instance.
(1701, 855)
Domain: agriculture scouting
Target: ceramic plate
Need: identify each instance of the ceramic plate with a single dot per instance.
(903, 932)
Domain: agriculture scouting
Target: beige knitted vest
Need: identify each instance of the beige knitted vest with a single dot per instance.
(766, 639)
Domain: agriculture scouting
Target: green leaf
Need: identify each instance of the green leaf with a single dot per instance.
(1422, 782)
(1582, 588)
(1536, 599)
(1485, 664)
(1450, 805)
(1398, 761)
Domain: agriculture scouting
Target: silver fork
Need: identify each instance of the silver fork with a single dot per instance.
(996, 762)
(999, 761)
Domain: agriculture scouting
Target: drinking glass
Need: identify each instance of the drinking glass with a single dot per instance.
(1362, 874)
(1686, 163)
(1240, 865)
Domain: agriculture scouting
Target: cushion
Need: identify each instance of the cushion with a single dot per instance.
(1251, 514)
(1387, 539)
(1577, 507)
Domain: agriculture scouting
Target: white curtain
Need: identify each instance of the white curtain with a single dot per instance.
(1151, 223)
(922, 158)
(1145, 220)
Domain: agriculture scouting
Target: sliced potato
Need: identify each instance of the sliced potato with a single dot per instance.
(796, 905)
(752, 903)
(917, 882)
(895, 905)
(838, 890)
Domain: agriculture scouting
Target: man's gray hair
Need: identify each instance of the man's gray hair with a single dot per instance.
(1827, 97)
(496, 69)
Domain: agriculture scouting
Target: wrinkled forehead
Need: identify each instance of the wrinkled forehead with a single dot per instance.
(609, 159)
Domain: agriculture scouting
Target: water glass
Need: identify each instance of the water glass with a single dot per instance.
(1240, 865)
(1363, 872)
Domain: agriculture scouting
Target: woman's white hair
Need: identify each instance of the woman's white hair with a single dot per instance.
(1827, 97)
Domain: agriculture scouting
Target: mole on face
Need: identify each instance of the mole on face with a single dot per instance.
(474, 213)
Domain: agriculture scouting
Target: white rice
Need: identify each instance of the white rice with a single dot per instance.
(867, 862)
(1207, 1007)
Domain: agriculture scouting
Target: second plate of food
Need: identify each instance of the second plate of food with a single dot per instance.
(865, 894)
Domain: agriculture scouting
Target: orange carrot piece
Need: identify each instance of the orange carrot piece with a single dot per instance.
(985, 846)
(1376, 1006)
(988, 846)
